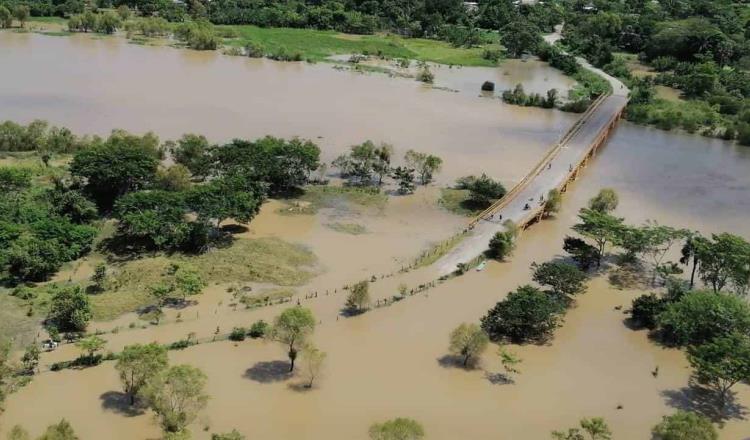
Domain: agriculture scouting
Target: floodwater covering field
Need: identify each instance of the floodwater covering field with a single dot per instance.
(385, 363)
(93, 85)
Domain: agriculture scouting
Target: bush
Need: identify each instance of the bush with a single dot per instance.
(69, 310)
(238, 334)
(646, 309)
(258, 329)
(684, 425)
(526, 315)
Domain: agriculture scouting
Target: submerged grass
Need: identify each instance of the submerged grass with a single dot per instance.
(455, 201)
(436, 251)
(348, 228)
(340, 197)
(264, 260)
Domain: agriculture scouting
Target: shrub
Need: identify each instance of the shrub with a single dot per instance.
(258, 329)
(699, 317)
(238, 334)
(646, 309)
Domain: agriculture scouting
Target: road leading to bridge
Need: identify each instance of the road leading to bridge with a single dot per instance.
(559, 165)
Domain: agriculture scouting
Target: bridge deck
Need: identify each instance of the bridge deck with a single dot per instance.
(554, 172)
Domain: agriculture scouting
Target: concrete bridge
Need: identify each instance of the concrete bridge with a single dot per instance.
(561, 165)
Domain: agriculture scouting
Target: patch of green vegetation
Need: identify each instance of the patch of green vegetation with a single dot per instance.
(436, 251)
(265, 297)
(348, 228)
(689, 115)
(340, 197)
(315, 45)
(456, 201)
(264, 260)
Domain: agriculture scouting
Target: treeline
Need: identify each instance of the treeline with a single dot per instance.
(157, 207)
(700, 48)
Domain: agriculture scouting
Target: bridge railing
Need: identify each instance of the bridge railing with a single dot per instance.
(518, 187)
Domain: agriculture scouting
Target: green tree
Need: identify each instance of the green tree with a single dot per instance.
(646, 309)
(528, 314)
(721, 363)
(138, 364)
(110, 169)
(33, 259)
(595, 427)
(699, 317)
(176, 395)
(562, 278)
(69, 309)
(405, 178)
(30, 358)
(292, 328)
(312, 363)
(194, 152)
(188, 281)
(174, 178)
(501, 245)
(18, 433)
(685, 425)
(690, 254)
(483, 190)
(153, 218)
(520, 36)
(6, 18)
(397, 429)
(90, 345)
(584, 254)
(359, 297)
(605, 201)
(99, 276)
(468, 341)
(725, 259)
(426, 165)
(600, 227)
(21, 13)
(108, 23)
(59, 431)
(226, 197)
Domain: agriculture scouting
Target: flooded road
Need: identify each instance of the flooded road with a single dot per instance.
(384, 364)
(92, 85)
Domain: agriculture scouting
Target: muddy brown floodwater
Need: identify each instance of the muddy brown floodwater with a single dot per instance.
(385, 363)
(93, 85)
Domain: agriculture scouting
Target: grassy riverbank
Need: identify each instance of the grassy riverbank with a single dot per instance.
(317, 46)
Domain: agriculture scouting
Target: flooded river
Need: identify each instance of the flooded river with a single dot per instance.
(385, 363)
(93, 85)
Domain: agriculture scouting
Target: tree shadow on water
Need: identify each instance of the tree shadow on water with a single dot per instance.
(119, 403)
(498, 378)
(269, 372)
(704, 401)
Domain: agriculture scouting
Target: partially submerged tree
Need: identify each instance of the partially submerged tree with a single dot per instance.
(468, 341)
(553, 203)
(312, 363)
(595, 427)
(359, 297)
(501, 245)
(526, 315)
(721, 363)
(59, 431)
(292, 328)
(605, 201)
(425, 164)
(600, 227)
(176, 395)
(685, 425)
(397, 429)
(563, 278)
(699, 317)
(138, 364)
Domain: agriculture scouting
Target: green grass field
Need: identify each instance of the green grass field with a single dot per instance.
(317, 45)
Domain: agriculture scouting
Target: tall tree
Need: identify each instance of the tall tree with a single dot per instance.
(292, 328)
(359, 297)
(138, 364)
(563, 278)
(468, 341)
(605, 201)
(176, 395)
(600, 227)
(425, 164)
(721, 363)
